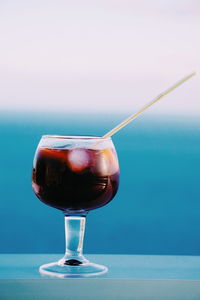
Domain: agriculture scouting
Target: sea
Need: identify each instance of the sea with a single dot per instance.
(156, 209)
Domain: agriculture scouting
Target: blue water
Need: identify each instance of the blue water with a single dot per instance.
(157, 208)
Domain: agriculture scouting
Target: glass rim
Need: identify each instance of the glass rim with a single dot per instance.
(76, 137)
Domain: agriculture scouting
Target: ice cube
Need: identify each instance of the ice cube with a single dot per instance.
(101, 165)
(78, 160)
(106, 163)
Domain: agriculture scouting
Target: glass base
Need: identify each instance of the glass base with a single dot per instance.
(60, 270)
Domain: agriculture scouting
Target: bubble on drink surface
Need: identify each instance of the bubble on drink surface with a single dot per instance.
(78, 160)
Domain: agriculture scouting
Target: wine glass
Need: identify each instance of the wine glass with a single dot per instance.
(75, 174)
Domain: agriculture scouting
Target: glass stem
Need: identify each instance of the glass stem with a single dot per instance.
(74, 235)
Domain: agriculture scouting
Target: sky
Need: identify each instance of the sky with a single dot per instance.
(100, 55)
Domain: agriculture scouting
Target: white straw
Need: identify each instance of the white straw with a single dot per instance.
(135, 115)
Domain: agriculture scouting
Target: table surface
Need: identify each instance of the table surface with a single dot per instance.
(129, 277)
(120, 266)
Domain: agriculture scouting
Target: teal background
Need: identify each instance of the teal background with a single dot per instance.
(156, 210)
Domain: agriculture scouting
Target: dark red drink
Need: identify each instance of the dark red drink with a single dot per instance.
(76, 179)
